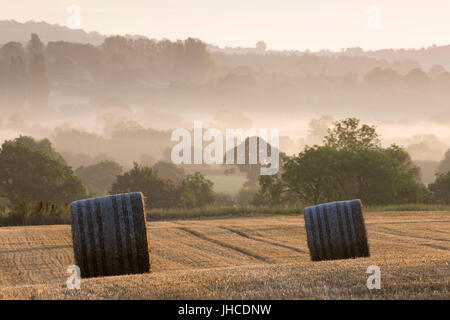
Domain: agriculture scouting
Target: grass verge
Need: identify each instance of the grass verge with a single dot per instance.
(211, 212)
(408, 207)
(25, 216)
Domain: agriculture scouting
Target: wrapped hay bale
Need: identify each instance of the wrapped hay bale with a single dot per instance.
(110, 235)
(336, 230)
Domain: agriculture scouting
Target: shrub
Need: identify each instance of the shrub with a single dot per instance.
(35, 172)
(159, 192)
(440, 189)
(196, 191)
(25, 213)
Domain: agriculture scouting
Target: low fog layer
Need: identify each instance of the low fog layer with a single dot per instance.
(121, 100)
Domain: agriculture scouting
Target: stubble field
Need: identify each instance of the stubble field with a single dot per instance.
(240, 258)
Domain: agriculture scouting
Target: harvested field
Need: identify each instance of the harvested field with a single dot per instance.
(240, 258)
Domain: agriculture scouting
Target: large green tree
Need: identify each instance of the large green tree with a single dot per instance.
(352, 164)
(273, 189)
(440, 189)
(350, 133)
(376, 176)
(43, 145)
(27, 171)
(196, 191)
(159, 192)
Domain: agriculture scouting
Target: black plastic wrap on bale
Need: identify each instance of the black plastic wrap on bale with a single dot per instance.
(110, 235)
(336, 230)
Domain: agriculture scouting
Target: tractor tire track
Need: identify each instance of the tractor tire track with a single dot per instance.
(402, 234)
(406, 241)
(226, 245)
(36, 249)
(245, 235)
(406, 222)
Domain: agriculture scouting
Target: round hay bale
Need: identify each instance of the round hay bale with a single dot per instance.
(336, 230)
(110, 235)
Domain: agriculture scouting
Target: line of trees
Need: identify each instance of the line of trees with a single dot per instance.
(118, 60)
(193, 191)
(170, 72)
(23, 73)
(351, 164)
(32, 170)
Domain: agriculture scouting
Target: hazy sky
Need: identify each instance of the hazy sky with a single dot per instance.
(282, 24)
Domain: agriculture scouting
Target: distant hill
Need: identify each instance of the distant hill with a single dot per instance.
(15, 31)
(11, 30)
(426, 57)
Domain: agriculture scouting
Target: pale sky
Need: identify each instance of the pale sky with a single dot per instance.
(282, 24)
